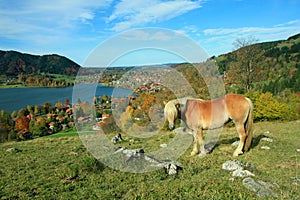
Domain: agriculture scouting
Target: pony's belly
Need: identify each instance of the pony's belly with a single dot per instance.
(214, 124)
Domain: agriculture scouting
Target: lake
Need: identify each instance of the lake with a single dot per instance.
(17, 98)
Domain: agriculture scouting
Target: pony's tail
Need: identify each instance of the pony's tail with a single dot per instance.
(249, 125)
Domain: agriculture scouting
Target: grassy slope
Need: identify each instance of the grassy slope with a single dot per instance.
(48, 168)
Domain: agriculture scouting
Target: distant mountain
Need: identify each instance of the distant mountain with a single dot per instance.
(13, 63)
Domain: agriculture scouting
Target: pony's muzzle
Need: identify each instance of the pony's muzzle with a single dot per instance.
(171, 126)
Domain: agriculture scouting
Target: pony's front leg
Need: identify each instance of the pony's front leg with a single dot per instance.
(195, 144)
(200, 139)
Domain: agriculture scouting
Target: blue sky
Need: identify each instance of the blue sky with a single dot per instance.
(75, 28)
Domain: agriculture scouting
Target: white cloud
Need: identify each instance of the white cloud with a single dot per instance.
(149, 35)
(19, 17)
(130, 13)
(289, 27)
(220, 40)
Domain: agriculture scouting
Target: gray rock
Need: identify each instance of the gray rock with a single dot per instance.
(232, 165)
(251, 184)
(295, 179)
(134, 153)
(172, 168)
(242, 173)
(249, 166)
(117, 138)
(261, 188)
(179, 130)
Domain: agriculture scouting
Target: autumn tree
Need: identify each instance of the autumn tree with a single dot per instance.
(126, 118)
(29, 108)
(104, 98)
(95, 100)
(14, 114)
(37, 109)
(67, 102)
(22, 123)
(38, 127)
(46, 107)
(22, 112)
(244, 69)
(6, 124)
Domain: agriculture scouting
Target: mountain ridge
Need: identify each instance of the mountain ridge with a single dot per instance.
(13, 63)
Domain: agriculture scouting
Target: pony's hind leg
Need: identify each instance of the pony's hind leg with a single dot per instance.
(242, 135)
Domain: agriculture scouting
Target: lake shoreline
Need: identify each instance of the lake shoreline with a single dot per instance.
(14, 99)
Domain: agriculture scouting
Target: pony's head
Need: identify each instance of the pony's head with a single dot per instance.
(172, 112)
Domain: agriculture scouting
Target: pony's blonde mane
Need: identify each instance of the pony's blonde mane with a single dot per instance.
(170, 109)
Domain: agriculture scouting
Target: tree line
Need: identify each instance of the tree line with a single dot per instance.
(35, 121)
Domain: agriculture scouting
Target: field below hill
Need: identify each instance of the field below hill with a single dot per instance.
(60, 167)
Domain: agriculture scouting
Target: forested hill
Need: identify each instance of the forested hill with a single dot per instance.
(272, 66)
(13, 63)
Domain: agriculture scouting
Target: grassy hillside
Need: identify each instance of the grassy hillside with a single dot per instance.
(60, 167)
(278, 65)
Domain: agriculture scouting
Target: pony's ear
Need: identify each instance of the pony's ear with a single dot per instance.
(164, 102)
(176, 103)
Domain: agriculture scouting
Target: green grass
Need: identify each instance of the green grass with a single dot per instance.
(60, 167)
(66, 133)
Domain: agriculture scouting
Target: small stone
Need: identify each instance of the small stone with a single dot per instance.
(267, 132)
(163, 145)
(265, 147)
(117, 138)
(298, 150)
(131, 140)
(250, 165)
(231, 179)
(295, 179)
(236, 143)
(267, 139)
(10, 149)
(13, 150)
(172, 167)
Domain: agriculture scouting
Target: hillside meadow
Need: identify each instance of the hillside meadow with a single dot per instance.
(60, 167)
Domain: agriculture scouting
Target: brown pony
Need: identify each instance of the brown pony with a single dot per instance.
(202, 115)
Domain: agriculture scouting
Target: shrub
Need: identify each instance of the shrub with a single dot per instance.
(270, 107)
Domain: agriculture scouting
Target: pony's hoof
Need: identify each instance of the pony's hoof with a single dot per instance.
(237, 153)
(193, 153)
(202, 154)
